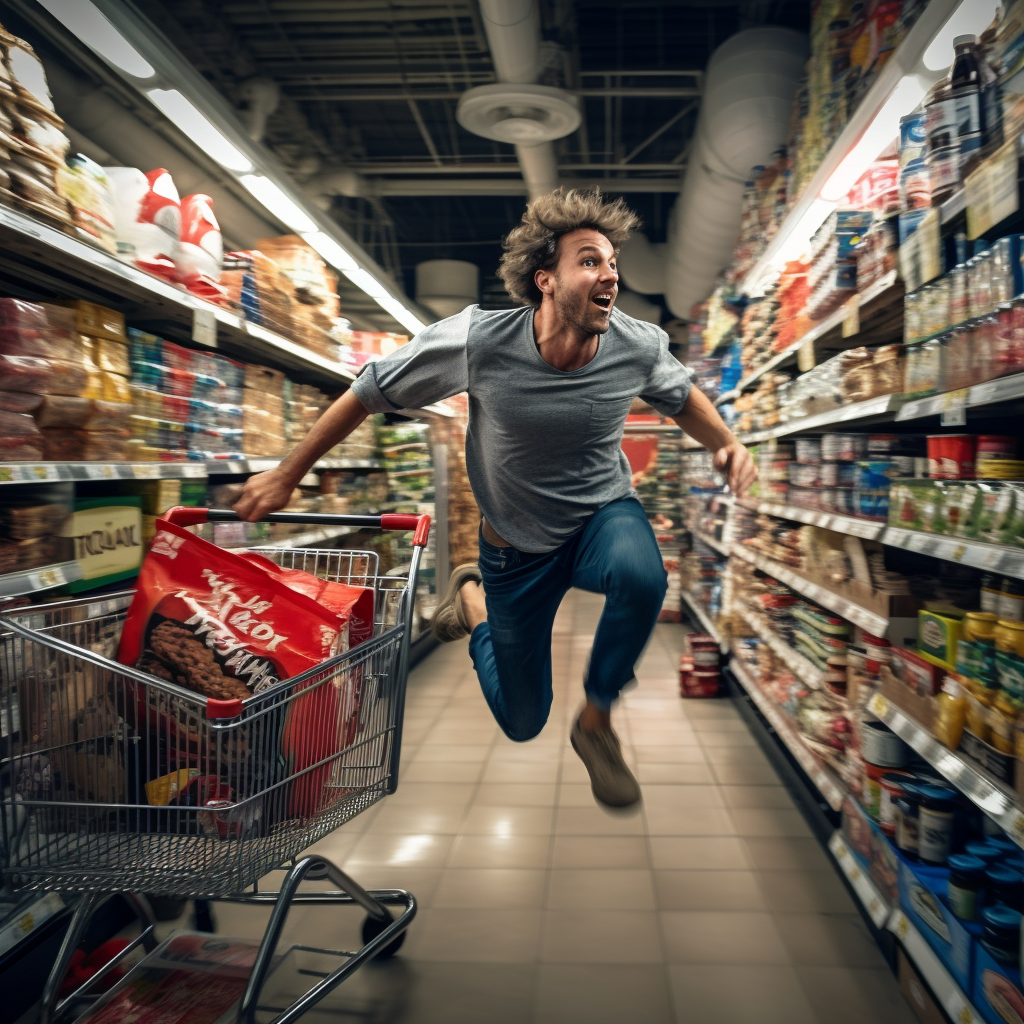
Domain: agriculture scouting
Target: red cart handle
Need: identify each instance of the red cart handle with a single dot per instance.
(182, 515)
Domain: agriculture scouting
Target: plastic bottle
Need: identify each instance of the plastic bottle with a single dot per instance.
(991, 92)
(965, 91)
(943, 158)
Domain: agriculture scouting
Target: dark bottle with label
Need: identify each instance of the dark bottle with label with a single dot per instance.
(943, 151)
(965, 91)
(991, 91)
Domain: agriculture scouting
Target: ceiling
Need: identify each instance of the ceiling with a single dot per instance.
(368, 91)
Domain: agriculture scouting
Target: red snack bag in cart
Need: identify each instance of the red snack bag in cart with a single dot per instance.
(325, 721)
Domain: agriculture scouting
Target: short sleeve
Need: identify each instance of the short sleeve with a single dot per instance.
(668, 385)
(433, 366)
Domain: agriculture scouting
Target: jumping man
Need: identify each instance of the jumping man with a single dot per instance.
(550, 384)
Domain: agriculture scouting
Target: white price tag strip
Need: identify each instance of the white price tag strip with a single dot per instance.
(874, 902)
(954, 409)
(204, 327)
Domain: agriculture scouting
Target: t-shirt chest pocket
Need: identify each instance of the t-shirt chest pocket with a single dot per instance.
(607, 417)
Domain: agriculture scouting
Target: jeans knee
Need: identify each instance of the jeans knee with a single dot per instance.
(523, 726)
(642, 587)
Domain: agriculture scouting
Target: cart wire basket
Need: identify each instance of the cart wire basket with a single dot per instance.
(114, 780)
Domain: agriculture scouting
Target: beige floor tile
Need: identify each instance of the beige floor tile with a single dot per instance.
(733, 937)
(778, 822)
(600, 889)
(500, 852)
(757, 796)
(790, 854)
(844, 995)
(656, 774)
(507, 821)
(688, 821)
(599, 852)
(533, 750)
(649, 753)
(732, 723)
(576, 794)
(449, 752)
(475, 936)
(603, 994)
(806, 892)
(416, 794)
(439, 819)
(601, 936)
(599, 821)
(740, 757)
(722, 852)
(505, 888)
(696, 710)
(415, 850)
(335, 847)
(440, 772)
(708, 890)
(521, 772)
(741, 995)
(421, 882)
(828, 940)
(515, 794)
(682, 796)
(691, 774)
(744, 775)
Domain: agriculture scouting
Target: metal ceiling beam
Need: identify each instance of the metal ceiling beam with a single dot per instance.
(249, 15)
(507, 167)
(658, 132)
(351, 96)
(385, 187)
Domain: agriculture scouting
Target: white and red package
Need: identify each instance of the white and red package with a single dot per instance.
(201, 252)
(219, 625)
(147, 218)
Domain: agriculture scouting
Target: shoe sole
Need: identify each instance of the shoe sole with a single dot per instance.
(446, 624)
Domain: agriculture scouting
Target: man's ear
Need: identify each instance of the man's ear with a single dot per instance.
(545, 281)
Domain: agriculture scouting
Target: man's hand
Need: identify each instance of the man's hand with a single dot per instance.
(264, 492)
(735, 463)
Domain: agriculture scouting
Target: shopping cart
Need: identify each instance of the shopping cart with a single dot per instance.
(86, 734)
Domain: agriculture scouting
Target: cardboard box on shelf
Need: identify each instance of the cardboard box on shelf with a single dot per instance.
(920, 707)
(107, 538)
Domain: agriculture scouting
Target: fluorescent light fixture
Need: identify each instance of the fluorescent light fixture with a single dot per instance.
(365, 281)
(880, 133)
(331, 251)
(95, 30)
(800, 237)
(199, 129)
(269, 193)
(972, 17)
(405, 317)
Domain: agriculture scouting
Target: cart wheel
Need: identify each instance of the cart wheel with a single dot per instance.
(372, 928)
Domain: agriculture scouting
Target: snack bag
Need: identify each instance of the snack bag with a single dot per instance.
(325, 720)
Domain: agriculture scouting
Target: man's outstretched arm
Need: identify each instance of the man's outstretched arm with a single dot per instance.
(268, 492)
(700, 419)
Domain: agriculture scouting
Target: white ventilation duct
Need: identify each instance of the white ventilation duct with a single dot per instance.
(531, 116)
(637, 307)
(745, 115)
(642, 265)
(447, 287)
(262, 97)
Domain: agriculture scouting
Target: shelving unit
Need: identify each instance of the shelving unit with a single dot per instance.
(995, 798)
(803, 669)
(869, 620)
(1004, 389)
(712, 542)
(827, 784)
(866, 529)
(28, 581)
(703, 618)
(878, 907)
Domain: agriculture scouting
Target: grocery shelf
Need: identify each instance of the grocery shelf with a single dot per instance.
(28, 916)
(712, 542)
(729, 396)
(949, 994)
(953, 206)
(29, 581)
(55, 472)
(1004, 389)
(996, 799)
(871, 621)
(311, 539)
(881, 407)
(827, 784)
(864, 528)
(977, 554)
(877, 906)
(800, 666)
(705, 620)
(833, 320)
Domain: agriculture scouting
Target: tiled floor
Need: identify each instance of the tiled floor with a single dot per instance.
(713, 903)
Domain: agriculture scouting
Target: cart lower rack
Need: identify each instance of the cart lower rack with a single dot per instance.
(243, 786)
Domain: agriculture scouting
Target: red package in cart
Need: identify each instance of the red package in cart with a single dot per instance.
(323, 721)
(219, 625)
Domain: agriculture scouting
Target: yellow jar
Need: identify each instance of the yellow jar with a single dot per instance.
(1009, 637)
(979, 627)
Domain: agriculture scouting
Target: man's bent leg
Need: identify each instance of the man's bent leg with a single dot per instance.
(618, 556)
(511, 651)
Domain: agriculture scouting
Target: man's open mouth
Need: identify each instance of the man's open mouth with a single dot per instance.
(604, 300)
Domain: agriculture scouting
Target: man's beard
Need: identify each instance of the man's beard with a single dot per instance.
(576, 312)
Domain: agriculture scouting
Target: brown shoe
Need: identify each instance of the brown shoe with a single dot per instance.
(611, 780)
(449, 622)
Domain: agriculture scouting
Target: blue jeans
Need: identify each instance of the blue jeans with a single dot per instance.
(615, 554)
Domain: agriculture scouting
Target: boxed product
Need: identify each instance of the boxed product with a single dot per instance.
(107, 538)
(996, 989)
(937, 637)
(922, 892)
(95, 320)
(914, 672)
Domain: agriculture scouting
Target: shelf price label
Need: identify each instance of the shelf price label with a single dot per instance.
(204, 327)
(104, 471)
(954, 409)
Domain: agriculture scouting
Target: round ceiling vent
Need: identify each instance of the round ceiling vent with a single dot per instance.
(525, 115)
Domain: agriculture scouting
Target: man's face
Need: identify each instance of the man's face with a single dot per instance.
(585, 281)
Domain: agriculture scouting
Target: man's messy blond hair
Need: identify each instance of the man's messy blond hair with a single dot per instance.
(533, 245)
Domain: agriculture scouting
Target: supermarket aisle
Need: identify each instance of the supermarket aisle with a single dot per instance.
(713, 904)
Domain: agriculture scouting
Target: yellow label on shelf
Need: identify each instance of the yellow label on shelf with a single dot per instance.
(851, 319)
(902, 927)
(992, 193)
(878, 705)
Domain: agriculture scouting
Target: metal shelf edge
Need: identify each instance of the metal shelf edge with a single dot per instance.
(877, 906)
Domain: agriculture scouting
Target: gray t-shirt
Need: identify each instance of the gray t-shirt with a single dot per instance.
(543, 447)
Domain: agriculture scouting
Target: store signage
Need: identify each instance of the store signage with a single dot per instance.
(204, 327)
(107, 538)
